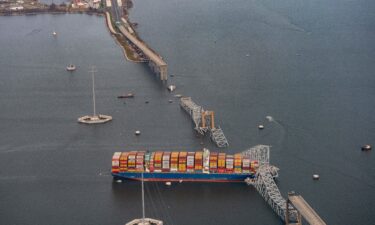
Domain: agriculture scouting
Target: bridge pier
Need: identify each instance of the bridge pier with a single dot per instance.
(163, 72)
(160, 70)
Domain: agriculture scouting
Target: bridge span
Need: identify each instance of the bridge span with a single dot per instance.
(156, 62)
(290, 210)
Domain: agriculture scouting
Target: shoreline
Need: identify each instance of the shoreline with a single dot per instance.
(32, 8)
(48, 11)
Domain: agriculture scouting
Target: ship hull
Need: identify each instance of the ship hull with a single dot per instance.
(183, 177)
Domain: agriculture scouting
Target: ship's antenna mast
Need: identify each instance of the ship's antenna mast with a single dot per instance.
(93, 71)
(143, 202)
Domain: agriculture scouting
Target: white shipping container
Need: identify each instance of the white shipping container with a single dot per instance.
(229, 165)
(245, 162)
(189, 163)
(116, 155)
(115, 163)
(166, 157)
(165, 164)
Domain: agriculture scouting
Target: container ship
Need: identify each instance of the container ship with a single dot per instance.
(200, 166)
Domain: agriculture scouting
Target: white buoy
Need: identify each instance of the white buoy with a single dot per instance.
(316, 177)
(168, 183)
(260, 127)
(137, 132)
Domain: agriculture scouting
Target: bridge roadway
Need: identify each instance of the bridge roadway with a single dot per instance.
(305, 209)
(156, 62)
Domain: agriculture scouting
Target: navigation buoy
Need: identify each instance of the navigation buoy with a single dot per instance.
(366, 147)
(137, 132)
(316, 177)
(260, 127)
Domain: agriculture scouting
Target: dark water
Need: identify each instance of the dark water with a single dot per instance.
(310, 65)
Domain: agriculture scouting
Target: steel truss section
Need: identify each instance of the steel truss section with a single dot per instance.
(217, 136)
(195, 111)
(261, 153)
(265, 184)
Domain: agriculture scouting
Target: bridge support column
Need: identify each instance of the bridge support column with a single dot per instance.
(163, 72)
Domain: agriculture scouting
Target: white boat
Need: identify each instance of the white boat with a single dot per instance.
(94, 119)
(71, 67)
(54, 33)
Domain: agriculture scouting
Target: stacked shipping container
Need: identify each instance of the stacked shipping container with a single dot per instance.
(190, 162)
(213, 162)
(237, 163)
(174, 161)
(182, 162)
(198, 161)
(166, 161)
(116, 162)
(221, 163)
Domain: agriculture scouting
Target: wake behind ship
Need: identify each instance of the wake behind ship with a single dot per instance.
(200, 166)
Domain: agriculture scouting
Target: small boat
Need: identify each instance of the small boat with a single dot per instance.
(366, 147)
(171, 87)
(316, 176)
(129, 95)
(54, 33)
(71, 67)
